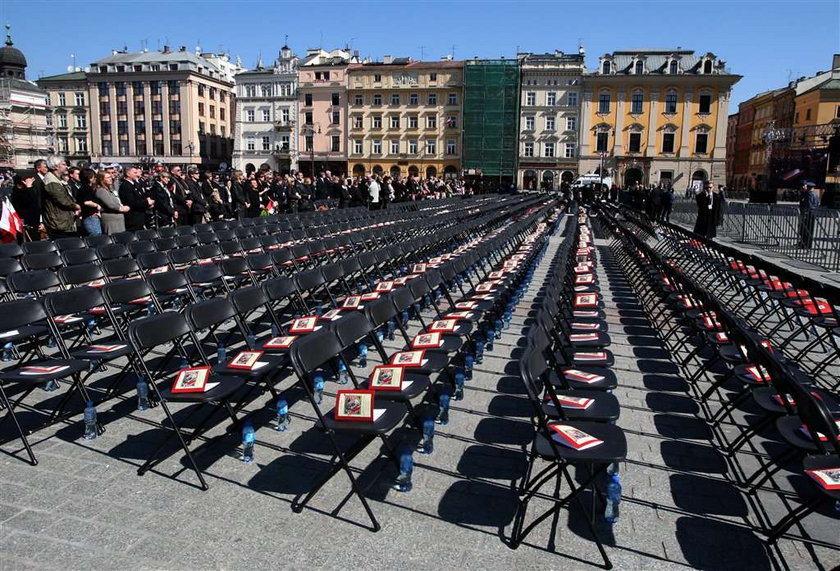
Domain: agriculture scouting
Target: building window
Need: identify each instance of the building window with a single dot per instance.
(107, 148)
(639, 68)
(701, 143)
(431, 147)
(63, 145)
(359, 100)
(433, 99)
(62, 120)
(357, 121)
(551, 98)
(570, 150)
(105, 127)
(395, 147)
(549, 123)
(222, 113)
(200, 90)
(377, 99)
(122, 107)
(529, 123)
(284, 115)
(174, 128)
(668, 142)
(336, 117)
(807, 114)
(671, 102)
(266, 143)
(548, 149)
(81, 145)
(605, 68)
(528, 150)
(707, 66)
(604, 102)
(250, 91)
(705, 103)
(377, 78)
(571, 123)
(634, 145)
(376, 147)
(431, 121)
(335, 99)
(376, 121)
(413, 99)
(124, 151)
(412, 121)
(200, 126)
(249, 115)
(837, 114)
(307, 118)
(602, 140)
(81, 122)
(450, 147)
(395, 99)
(79, 99)
(572, 99)
(250, 143)
(309, 143)
(412, 146)
(266, 114)
(49, 119)
(530, 98)
(120, 87)
(673, 67)
(307, 100)
(395, 121)
(357, 146)
(452, 99)
(636, 103)
(452, 122)
(433, 76)
(154, 87)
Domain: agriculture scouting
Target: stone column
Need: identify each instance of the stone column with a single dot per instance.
(585, 123)
(618, 147)
(686, 123)
(650, 151)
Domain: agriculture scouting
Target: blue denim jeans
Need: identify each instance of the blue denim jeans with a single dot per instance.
(92, 225)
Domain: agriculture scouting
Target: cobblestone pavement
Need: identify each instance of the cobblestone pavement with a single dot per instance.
(84, 506)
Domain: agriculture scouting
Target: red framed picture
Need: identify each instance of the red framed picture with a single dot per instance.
(496, 275)
(331, 315)
(586, 300)
(304, 325)
(418, 268)
(387, 378)
(354, 406)
(283, 342)
(459, 315)
(352, 302)
(245, 360)
(408, 358)
(485, 287)
(443, 326)
(427, 341)
(104, 348)
(385, 286)
(370, 296)
(191, 380)
(466, 305)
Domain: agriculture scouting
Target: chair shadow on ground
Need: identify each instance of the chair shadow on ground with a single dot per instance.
(711, 544)
(478, 503)
(666, 402)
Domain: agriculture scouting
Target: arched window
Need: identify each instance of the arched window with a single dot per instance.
(673, 67)
(707, 66)
(637, 99)
(605, 69)
(640, 67)
(671, 101)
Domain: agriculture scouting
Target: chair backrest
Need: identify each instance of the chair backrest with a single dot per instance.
(153, 260)
(32, 281)
(418, 288)
(248, 299)
(149, 332)
(146, 234)
(20, 312)
(123, 237)
(98, 240)
(112, 251)
(125, 291)
(165, 243)
(281, 256)
(166, 282)
(9, 266)
(45, 261)
(141, 247)
(69, 244)
(233, 266)
(314, 350)
(208, 251)
(279, 288)
(182, 256)
(10, 251)
(380, 311)
(81, 274)
(186, 240)
(402, 299)
(39, 247)
(80, 256)
(309, 280)
(72, 301)
(120, 268)
(209, 313)
(167, 232)
(351, 328)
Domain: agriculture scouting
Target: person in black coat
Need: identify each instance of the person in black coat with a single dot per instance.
(238, 196)
(132, 195)
(253, 193)
(27, 202)
(181, 197)
(163, 194)
(705, 206)
(199, 202)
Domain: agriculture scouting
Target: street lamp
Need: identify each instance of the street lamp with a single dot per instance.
(309, 128)
(191, 148)
(603, 156)
(770, 136)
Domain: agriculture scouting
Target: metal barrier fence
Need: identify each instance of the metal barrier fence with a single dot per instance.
(813, 238)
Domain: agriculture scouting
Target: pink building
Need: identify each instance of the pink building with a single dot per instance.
(322, 104)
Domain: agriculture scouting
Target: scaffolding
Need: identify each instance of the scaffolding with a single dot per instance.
(25, 134)
(491, 118)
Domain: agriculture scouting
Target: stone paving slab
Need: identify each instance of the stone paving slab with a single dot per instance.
(84, 506)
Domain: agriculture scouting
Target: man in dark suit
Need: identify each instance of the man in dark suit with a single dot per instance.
(238, 195)
(705, 215)
(181, 196)
(199, 202)
(132, 195)
(162, 194)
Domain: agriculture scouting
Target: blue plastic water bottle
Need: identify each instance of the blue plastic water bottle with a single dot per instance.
(7, 352)
(363, 353)
(90, 421)
(498, 328)
(459, 384)
(380, 335)
(392, 328)
(275, 331)
(343, 375)
(319, 308)
(318, 386)
(184, 363)
(221, 353)
(613, 499)
(469, 360)
(403, 483)
(404, 317)
(479, 352)
(443, 408)
(142, 393)
(249, 437)
(282, 419)
(488, 338)
(507, 318)
(176, 303)
(426, 445)
(251, 340)
(150, 308)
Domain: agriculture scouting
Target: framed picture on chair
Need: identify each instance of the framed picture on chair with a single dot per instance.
(245, 360)
(385, 378)
(354, 406)
(192, 380)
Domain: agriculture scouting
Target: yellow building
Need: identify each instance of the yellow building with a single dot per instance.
(656, 117)
(70, 117)
(405, 117)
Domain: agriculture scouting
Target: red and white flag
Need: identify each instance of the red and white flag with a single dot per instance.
(10, 223)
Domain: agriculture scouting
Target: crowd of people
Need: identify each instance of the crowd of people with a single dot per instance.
(55, 200)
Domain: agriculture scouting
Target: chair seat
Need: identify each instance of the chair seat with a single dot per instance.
(24, 332)
(822, 462)
(393, 415)
(602, 340)
(581, 359)
(590, 327)
(89, 353)
(226, 387)
(588, 315)
(613, 449)
(730, 353)
(790, 428)
(17, 375)
(274, 364)
(608, 383)
(419, 382)
(605, 407)
(463, 329)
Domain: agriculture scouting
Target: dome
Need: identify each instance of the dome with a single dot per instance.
(11, 56)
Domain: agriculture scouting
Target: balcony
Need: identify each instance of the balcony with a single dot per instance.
(284, 125)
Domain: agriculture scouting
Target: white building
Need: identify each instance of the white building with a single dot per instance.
(266, 113)
(549, 119)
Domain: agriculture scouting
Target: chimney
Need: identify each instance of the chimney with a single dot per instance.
(835, 62)
(387, 59)
(182, 49)
(166, 49)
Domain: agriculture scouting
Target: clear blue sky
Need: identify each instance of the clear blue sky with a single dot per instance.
(766, 41)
